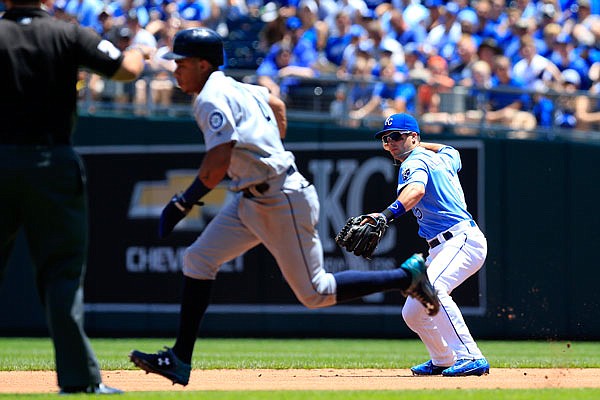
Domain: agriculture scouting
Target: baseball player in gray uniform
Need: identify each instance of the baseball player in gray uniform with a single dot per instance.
(428, 184)
(274, 204)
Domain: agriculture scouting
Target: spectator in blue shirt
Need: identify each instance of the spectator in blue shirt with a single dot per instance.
(486, 26)
(337, 42)
(497, 19)
(542, 106)
(507, 30)
(505, 107)
(487, 106)
(388, 97)
(565, 113)
(304, 49)
(157, 9)
(358, 34)
(496, 106)
(307, 12)
(564, 58)
(360, 86)
(400, 31)
(444, 37)
(588, 52)
(513, 44)
(268, 72)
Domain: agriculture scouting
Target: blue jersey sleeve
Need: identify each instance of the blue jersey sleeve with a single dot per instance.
(412, 171)
(443, 204)
(451, 156)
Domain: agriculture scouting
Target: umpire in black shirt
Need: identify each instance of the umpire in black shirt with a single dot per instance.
(42, 181)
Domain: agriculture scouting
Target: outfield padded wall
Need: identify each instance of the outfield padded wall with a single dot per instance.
(541, 221)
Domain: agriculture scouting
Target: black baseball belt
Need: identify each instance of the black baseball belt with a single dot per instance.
(436, 242)
(446, 235)
(260, 188)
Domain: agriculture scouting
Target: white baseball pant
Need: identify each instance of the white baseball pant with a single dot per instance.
(446, 336)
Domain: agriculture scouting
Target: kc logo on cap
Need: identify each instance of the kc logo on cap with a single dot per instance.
(399, 122)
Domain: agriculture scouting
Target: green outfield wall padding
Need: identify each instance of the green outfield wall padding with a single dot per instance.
(540, 203)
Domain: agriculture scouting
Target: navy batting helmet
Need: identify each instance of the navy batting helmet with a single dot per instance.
(197, 42)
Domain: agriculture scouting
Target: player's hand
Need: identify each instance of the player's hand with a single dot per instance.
(146, 51)
(174, 211)
(362, 234)
(372, 218)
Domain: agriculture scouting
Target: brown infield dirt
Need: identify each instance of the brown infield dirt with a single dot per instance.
(314, 379)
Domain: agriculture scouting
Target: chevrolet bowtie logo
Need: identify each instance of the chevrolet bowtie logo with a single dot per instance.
(148, 199)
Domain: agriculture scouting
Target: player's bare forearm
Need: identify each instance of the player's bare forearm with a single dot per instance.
(267, 82)
(279, 108)
(215, 164)
(411, 195)
(435, 147)
(131, 66)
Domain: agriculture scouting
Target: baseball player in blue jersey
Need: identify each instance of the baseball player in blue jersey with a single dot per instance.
(274, 204)
(428, 184)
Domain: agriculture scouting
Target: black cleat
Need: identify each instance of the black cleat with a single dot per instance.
(163, 363)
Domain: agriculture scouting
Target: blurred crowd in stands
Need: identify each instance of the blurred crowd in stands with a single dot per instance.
(522, 64)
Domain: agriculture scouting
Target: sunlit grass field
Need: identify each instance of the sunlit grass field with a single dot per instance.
(37, 354)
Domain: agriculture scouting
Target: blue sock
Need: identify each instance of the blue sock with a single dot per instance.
(355, 284)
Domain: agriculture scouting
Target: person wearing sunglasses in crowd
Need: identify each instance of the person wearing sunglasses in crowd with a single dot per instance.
(428, 184)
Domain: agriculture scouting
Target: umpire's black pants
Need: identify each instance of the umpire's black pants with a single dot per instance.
(42, 189)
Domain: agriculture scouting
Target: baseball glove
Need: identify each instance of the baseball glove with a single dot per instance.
(362, 238)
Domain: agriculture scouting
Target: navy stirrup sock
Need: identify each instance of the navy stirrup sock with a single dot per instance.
(194, 302)
(355, 284)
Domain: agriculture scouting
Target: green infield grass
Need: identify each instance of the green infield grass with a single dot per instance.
(28, 354)
(37, 353)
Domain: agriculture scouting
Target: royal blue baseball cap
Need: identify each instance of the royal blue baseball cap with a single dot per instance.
(399, 122)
